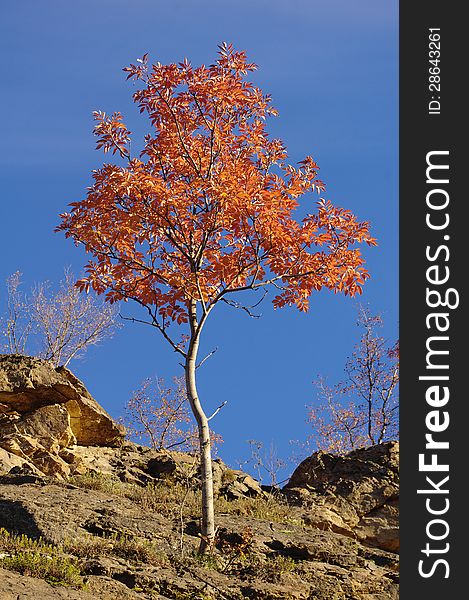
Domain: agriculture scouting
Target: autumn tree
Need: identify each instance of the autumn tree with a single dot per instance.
(206, 211)
(362, 410)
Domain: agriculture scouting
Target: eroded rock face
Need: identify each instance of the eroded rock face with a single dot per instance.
(327, 565)
(132, 463)
(356, 494)
(28, 384)
(43, 413)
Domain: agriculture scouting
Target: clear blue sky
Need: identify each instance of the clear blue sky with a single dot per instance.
(331, 68)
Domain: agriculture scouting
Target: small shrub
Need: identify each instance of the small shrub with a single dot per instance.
(12, 543)
(54, 569)
(38, 559)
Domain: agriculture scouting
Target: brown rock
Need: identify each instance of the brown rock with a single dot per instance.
(48, 426)
(44, 412)
(356, 494)
(28, 383)
(91, 424)
(323, 565)
(9, 460)
(178, 465)
(381, 527)
(236, 484)
(14, 586)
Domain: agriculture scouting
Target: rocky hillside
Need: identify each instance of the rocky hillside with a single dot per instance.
(85, 514)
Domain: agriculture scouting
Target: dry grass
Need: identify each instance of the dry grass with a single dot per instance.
(167, 498)
(268, 508)
(100, 482)
(131, 548)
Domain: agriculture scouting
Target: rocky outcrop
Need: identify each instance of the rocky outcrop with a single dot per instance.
(28, 383)
(51, 426)
(44, 412)
(118, 509)
(139, 465)
(285, 559)
(356, 494)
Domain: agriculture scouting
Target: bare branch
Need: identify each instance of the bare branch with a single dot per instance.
(239, 306)
(206, 358)
(64, 322)
(217, 410)
(363, 409)
(155, 323)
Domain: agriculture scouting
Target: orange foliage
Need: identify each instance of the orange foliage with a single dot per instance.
(208, 206)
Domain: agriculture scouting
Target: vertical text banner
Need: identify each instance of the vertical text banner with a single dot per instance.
(434, 252)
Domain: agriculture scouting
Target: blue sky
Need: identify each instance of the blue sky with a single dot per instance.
(331, 68)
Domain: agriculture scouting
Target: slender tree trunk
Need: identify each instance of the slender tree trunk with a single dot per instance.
(208, 517)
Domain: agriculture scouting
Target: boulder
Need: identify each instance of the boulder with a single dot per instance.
(45, 412)
(177, 465)
(28, 384)
(9, 461)
(356, 494)
(234, 484)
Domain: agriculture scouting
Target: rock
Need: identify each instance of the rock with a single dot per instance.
(20, 474)
(356, 494)
(39, 437)
(380, 527)
(14, 586)
(28, 383)
(47, 427)
(89, 421)
(178, 465)
(181, 466)
(236, 484)
(319, 564)
(44, 412)
(9, 460)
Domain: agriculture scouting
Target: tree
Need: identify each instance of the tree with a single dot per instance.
(265, 460)
(57, 325)
(206, 211)
(161, 415)
(17, 324)
(363, 409)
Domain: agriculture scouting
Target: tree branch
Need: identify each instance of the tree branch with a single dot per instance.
(206, 358)
(218, 410)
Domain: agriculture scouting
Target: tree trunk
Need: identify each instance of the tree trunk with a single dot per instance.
(208, 518)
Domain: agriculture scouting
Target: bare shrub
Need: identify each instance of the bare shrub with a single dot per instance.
(264, 461)
(58, 325)
(160, 416)
(362, 410)
(17, 323)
